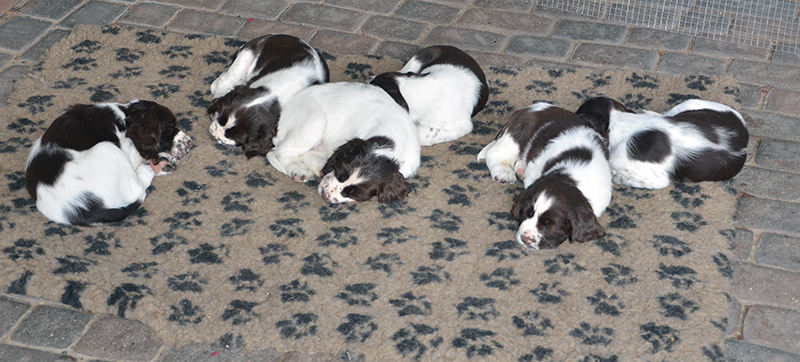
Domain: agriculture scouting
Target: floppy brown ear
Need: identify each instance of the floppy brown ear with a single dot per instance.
(145, 132)
(395, 188)
(584, 225)
(260, 141)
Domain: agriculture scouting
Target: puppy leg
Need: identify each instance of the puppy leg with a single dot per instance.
(315, 159)
(501, 157)
(440, 127)
(236, 74)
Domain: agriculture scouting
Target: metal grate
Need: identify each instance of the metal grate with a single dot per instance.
(758, 23)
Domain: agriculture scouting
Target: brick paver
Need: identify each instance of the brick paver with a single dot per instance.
(765, 295)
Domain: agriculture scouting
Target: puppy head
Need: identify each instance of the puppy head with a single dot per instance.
(597, 112)
(551, 211)
(361, 169)
(155, 132)
(246, 117)
(388, 82)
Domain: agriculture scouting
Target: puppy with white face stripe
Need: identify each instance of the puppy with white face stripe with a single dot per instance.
(694, 141)
(248, 96)
(563, 163)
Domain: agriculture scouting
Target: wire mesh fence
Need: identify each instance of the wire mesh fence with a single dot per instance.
(758, 23)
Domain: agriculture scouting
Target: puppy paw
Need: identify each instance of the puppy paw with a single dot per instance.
(163, 167)
(504, 176)
(299, 172)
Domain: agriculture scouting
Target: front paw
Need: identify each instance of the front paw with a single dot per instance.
(505, 176)
(299, 172)
(163, 167)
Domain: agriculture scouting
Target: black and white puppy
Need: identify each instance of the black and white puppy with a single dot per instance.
(442, 88)
(352, 135)
(563, 163)
(694, 141)
(265, 73)
(94, 162)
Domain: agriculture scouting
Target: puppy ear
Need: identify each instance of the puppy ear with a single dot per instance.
(584, 225)
(350, 149)
(265, 121)
(395, 188)
(143, 128)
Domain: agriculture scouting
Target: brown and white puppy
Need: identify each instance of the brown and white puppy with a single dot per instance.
(694, 141)
(265, 73)
(563, 163)
(94, 162)
(442, 88)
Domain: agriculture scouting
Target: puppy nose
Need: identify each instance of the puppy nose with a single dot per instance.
(527, 239)
(189, 144)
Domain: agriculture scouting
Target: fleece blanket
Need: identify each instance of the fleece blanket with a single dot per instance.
(227, 250)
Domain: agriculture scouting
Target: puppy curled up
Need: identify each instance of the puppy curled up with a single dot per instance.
(563, 163)
(95, 162)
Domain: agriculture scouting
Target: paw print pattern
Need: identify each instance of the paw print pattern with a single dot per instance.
(687, 221)
(681, 277)
(541, 87)
(184, 220)
(538, 354)
(498, 107)
(477, 309)
(361, 294)
(72, 265)
(126, 72)
(288, 227)
(395, 208)
(605, 304)
(337, 212)
(599, 79)
(149, 37)
(676, 98)
(100, 243)
(37, 104)
(272, 253)
(549, 293)
(625, 216)
(189, 282)
(235, 227)
(192, 193)
(359, 72)
(723, 265)
(206, 254)
(635, 101)
(674, 305)
(496, 86)
(301, 325)
(444, 220)
(175, 71)
(410, 304)
(247, 280)
(163, 90)
(240, 312)
(185, 313)
(503, 250)
(26, 126)
(178, 51)
(646, 81)
(103, 93)
(660, 337)
(429, 274)
(13, 144)
(293, 201)
(165, 242)
(24, 249)
(592, 335)
(223, 168)
(502, 220)
(500, 278)
(698, 82)
(612, 244)
(619, 275)
(358, 328)
(670, 245)
(294, 291)
(477, 342)
(416, 339)
(449, 250)
(585, 94)
(563, 264)
(141, 270)
(237, 201)
(532, 324)
(384, 262)
(70, 83)
(126, 296)
(128, 55)
(458, 195)
(340, 236)
(689, 197)
(319, 265)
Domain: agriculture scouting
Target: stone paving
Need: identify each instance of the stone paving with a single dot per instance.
(765, 295)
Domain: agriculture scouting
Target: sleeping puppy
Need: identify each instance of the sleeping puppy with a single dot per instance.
(354, 136)
(694, 141)
(563, 163)
(265, 73)
(442, 88)
(94, 163)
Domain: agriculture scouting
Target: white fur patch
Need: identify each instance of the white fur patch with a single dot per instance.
(528, 233)
(331, 189)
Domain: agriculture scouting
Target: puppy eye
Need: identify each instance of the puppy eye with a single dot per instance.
(546, 223)
(530, 213)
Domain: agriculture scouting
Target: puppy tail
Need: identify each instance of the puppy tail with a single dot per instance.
(94, 212)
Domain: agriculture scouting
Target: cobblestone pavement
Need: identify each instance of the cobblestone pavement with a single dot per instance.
(765, 308)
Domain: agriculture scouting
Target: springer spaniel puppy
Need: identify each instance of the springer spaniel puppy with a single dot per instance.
(354, 136)
(95, 162)
(563, 163)
(442, 88)
(694, 141)
(265, 73)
